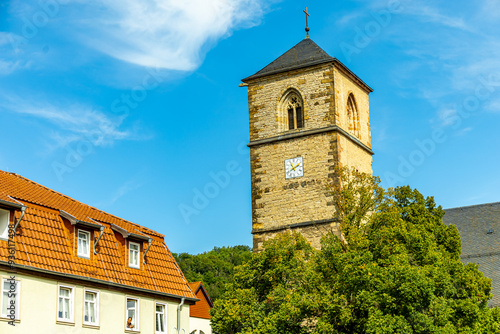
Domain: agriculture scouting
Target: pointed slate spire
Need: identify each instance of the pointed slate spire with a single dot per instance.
(305, 53)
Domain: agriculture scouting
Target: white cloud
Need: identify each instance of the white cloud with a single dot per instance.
(464, 131)
(69, 123)
(491, 9)
(169, 34)
(7, 38)
(7, 67)
(432, 14)
(493, 105)
(123, 190)
(9, 52)
(447, 116)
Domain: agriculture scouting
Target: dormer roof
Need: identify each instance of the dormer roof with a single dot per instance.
(44, 237)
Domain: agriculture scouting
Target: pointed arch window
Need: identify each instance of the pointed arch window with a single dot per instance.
(353, 115)
(294, 111)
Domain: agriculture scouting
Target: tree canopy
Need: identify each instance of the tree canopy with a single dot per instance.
(214, 268)
(397, 269)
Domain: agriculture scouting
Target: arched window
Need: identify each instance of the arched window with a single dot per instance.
(293, 110)
(353, 115)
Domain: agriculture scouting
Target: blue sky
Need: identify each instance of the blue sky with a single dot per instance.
(133, 106)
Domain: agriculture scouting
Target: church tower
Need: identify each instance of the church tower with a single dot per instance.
(308, 114)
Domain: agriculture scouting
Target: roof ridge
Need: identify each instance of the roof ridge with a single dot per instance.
(75, 201)
(473, 206)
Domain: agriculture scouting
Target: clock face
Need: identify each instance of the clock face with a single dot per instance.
(294, 168)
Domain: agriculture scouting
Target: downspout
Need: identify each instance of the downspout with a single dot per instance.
(99, 238)
(179, 315)
(146, 251)
(23, 210)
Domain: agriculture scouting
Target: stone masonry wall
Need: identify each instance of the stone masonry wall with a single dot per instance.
(352, 155)
(344, 85)
(312, 233)
(264, 96)
(277, 202)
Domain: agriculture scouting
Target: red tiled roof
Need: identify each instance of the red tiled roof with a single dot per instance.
(202, 307)
(45, 240)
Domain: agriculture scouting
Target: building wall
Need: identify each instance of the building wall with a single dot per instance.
(264, 96)
(201, 309)
(278, 202)
(344, 85)
(312, 233)
(38, 310)
(352, 155)
(199, 324)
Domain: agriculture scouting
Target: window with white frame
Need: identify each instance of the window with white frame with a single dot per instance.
(134, 250)
(10, 298)
(160, 319)
(4, 224)
(132, 315)
(91, 308)
(65, 307)
(83, 243)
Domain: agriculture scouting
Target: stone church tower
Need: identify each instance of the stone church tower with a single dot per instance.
(308, 114)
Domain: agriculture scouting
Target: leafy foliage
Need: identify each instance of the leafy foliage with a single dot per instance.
(398, 270)
(214, 268)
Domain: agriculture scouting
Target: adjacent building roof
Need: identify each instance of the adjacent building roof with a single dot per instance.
(46, 241)
(479, 227)
(304, 54)
(202, 307)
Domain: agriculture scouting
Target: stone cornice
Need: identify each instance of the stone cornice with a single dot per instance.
(298, 134)
(294, 226)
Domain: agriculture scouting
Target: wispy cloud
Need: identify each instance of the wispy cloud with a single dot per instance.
(446, 116)
(169, 34)
(493, 105)
(430, 14)
(457, 42)
(490, 9)
(124, 189)
(9, 53)
(464, 131)
(70, 122)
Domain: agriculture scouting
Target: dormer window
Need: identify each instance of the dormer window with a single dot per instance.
(134, 250)
(83, 244)
(4, 224)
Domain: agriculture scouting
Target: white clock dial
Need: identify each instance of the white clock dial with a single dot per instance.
(294, 168)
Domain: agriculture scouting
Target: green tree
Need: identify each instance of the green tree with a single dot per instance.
(269, 293)
(214, 268)
(397, 270)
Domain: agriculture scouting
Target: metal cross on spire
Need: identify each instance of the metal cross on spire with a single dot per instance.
(307, 25)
